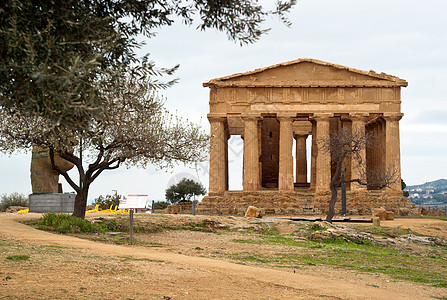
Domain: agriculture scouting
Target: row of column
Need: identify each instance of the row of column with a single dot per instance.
(321, 160)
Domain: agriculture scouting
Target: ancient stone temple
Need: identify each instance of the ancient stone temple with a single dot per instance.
(274, 107)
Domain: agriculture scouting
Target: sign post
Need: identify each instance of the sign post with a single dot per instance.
(132, 202)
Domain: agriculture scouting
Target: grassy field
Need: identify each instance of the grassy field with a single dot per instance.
(422, 264)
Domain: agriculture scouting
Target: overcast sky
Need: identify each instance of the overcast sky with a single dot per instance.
(404, 38)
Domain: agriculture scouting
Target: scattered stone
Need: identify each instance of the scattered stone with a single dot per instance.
(424, 240)
(214, 224)
(383, 214)
(376, 222)
(339, 231)
(254, 212)
(389, 215)
(112, 233)
(14, 209)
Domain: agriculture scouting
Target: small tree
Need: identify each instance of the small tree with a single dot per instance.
(106, 201)
(184, 190)
(342, 145)
(404, 185)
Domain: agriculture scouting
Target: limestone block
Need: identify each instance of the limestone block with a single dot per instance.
(379, 212)
(376, 221)
(253, 212)
(389, 215)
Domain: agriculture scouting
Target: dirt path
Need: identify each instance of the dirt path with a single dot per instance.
(153, 274)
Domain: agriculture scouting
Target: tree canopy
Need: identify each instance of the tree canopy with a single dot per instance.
(59, 59)
(185, 189)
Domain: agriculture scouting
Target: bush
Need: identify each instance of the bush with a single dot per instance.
(161, 204)
(14, 199)
(105, 202)
(64, 223)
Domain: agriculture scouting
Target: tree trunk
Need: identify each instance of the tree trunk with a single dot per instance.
(331, 211)
(81, 203)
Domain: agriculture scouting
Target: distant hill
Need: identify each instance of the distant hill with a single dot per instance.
(437, 184)
(433, 192)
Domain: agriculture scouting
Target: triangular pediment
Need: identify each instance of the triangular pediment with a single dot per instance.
(306, 72)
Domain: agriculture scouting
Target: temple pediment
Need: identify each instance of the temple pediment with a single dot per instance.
(307, 72)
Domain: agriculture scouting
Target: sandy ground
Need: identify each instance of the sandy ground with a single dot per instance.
(65, 267)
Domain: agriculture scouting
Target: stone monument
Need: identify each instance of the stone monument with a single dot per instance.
(47, 196)
(272, 108)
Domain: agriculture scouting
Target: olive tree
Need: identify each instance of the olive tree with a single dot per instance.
(138, 132)
(185, 189)
(55, 55)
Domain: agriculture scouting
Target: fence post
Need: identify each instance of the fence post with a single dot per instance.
(153, 206)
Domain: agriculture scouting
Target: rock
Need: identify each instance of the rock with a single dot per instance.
(379, 212)
(376, 221)
(389, 215)
(14, 209)
(404, 211)
(254, 212)
(425, 240)
(339, 231)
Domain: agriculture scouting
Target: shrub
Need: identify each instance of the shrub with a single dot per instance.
(18, 257)
(64, 223)
(14, 199)
(105, 201)
(161, 204)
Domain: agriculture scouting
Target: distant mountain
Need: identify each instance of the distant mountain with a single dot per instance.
(433, 192)
(437, 184)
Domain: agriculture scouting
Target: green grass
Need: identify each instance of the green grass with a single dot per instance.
(18, 257)
(130, 258)
(364, 257)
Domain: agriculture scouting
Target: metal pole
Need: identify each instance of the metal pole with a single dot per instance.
(343, 193)
(131, 226)
(153, 206)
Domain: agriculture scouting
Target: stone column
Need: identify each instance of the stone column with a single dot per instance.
(301, 158)
(392, 146)
(285, 176)
(313, 155)
(358, 162)
(323, 161)
(251, 178)
(218, 178)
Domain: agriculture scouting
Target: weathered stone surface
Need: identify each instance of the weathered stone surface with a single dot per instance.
(376, 221)
(14, 209)
(389, 215)
(178, 207)
(425, 240)
(254, 212)
(43, 178)
(380, 213)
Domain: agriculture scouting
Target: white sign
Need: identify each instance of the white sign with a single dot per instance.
(133, 201)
